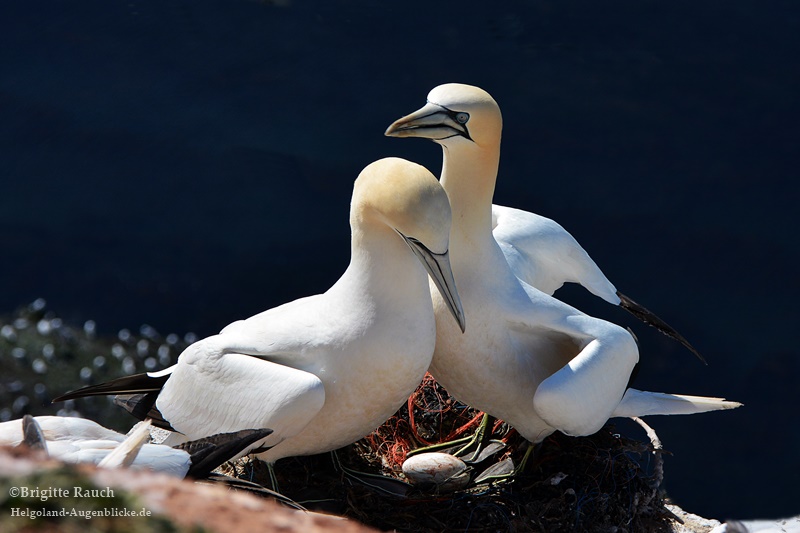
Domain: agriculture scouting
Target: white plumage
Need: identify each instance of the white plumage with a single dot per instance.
(79, 440)
(526, 357)
(544, 255)
(325, 370)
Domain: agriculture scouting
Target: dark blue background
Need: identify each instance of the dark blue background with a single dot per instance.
(187, 163)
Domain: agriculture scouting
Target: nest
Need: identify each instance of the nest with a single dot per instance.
(605, 482)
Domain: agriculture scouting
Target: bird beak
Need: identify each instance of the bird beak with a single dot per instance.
(438, 267)
(431, 122)
(32, 434)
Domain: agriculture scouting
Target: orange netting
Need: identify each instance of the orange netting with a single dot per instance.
(430, 416)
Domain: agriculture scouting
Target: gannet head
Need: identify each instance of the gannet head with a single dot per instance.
(455, 114)
(406, 197)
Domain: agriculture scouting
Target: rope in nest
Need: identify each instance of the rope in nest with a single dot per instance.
(430, 416)
(596, 483)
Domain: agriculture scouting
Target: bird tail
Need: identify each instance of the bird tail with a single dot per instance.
(636, 403)
(210, 452)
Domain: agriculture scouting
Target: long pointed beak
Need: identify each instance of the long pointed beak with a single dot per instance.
(438, 267)
(430, 122)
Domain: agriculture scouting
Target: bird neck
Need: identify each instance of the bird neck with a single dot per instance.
(383, 265)
(469, 174)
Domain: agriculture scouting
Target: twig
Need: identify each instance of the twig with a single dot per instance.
(659, 462)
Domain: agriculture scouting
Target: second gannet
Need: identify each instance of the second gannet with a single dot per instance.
(527, 358)
(325, 370)
(79, 440)
(467, 122)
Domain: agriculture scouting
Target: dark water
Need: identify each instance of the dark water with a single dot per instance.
(185, 164)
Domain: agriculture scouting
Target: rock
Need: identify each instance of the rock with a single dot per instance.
(691, 523)
(172, 503)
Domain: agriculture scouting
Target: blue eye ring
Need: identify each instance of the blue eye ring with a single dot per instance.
(462, 117)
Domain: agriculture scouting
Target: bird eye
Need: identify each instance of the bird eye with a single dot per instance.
(462, 118)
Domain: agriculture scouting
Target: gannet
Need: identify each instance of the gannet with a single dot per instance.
(79, 440)
(527, 358)
(325, 370)
(539, 250)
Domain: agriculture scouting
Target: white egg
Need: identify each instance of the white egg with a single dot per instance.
(446, 472)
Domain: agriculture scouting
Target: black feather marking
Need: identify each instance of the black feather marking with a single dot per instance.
(651, 319)
(635, 371)
(210, 452)
(137, 383)
(143, 407)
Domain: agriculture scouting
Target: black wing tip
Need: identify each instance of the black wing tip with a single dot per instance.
(136, 383)
(83, 392)
(244, 436)
(651, 319)
(142, 406)
(71, 395)
(210, 452)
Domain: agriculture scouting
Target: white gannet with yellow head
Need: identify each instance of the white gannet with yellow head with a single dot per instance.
(323, 371)
(527, 357)
(467, 123)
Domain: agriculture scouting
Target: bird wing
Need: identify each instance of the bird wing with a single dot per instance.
(587, 361)
(79, 450)
(211, 392)
(545, 255)
(164, 459)
(60, 427)
(257, 373)
(253, 375)
(208, 453)
(292, 333)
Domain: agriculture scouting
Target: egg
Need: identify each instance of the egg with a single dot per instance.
(442, 470)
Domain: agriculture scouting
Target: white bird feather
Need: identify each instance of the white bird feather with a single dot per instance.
(526, 357)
